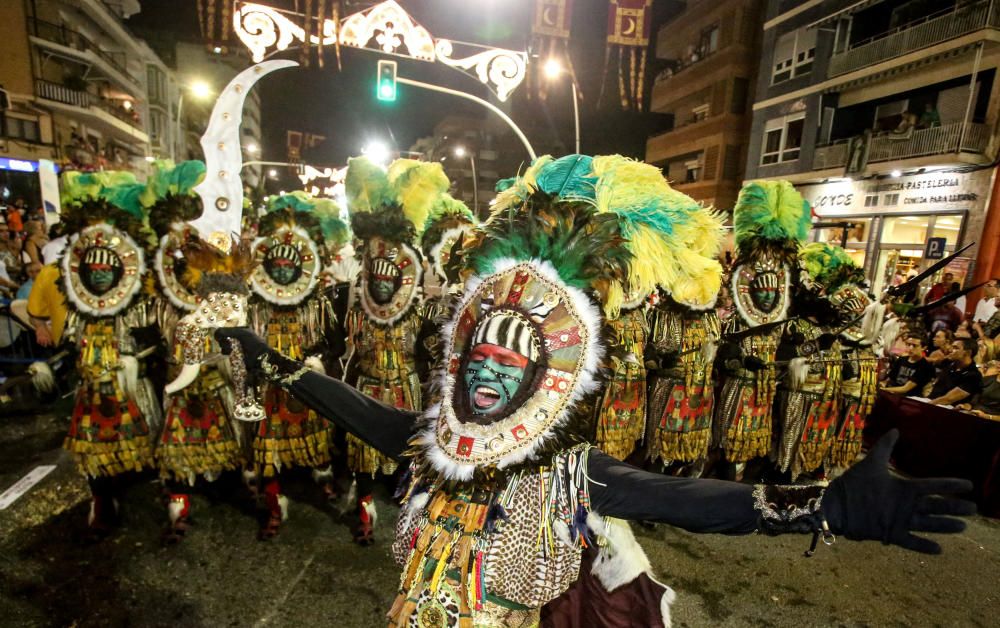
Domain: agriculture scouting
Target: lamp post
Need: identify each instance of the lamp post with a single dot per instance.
(461, 152)
(200, 90)
(553, 69)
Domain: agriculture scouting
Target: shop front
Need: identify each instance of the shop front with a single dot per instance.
(898, 226)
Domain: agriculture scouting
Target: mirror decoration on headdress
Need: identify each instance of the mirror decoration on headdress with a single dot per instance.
(102, 270)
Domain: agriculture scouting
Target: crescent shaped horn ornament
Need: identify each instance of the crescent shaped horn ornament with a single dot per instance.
(222, 190)
(630, 29)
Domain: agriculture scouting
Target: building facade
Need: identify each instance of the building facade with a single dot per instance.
(884, 114)
(710, 49)
(83, 91)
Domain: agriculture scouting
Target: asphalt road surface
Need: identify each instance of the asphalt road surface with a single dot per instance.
(312, 575)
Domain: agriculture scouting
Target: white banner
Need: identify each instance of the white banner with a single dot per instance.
(49, 181)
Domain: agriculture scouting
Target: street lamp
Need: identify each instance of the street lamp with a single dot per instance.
(377, 152)
(272, 173)
(459, 151)
(252, 148)
(553, 69)
(200, 90)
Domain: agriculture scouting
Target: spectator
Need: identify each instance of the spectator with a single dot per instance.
(25, 290)
(47, 307)
(14, 217)
(911, 373)
(960, 302)
(939, 289)
(54, 247)
(960, 379)
(987, 306)
(987, 403)
(942, 346)
(929, 118)
(31, 251)
(10, 251)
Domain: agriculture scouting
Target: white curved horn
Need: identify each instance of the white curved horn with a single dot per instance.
(189, 372)
(222, 190)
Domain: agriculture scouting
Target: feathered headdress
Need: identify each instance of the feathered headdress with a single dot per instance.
(90, 198)
(829, 267)
(169, 196)
(770, 218)
(392, 204)
(320, 217)
(211, 270)
(673, 241)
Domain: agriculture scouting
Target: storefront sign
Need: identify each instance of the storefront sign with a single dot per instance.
(18, 165)
(932, 192)
(935, 248)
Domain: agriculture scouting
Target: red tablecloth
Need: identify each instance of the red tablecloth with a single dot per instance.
(939, 442)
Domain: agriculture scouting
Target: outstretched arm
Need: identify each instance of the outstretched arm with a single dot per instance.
(866, 502)
(385, 428)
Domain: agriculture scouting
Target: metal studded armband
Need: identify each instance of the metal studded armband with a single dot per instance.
(798, 509)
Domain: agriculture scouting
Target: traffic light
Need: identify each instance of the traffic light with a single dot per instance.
(386, 86)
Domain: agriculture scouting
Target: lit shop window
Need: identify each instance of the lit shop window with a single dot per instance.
(782, 139)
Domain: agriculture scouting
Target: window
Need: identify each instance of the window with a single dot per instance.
(699, 113)
(21, 128)
(709, 41)
(793, 55)
(692, 171)
(782, 139)
(891, 199)
(871, 200)
(156, 84)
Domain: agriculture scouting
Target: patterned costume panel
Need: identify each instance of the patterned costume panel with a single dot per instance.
(621, 412)
(744, 415)
(857, 399)
(682, 397)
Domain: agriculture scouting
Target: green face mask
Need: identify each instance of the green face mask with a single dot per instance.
(492, 378)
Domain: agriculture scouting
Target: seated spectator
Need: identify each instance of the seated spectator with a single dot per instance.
(991, 327)
(959, 379)
(911, 373)
(986, 307)
(25, 289)
(987, 403)
(942, 341)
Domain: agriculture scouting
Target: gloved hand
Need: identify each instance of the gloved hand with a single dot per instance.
(254, 347)
(753, 363)
(867, 502)
(848, 370)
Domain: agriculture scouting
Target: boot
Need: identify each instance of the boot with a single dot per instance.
(364, 534)
(103, 517)
(277, 511)
(324, 477)
(179, 511)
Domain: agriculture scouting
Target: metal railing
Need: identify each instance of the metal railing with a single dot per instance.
(937, 140)
(927, 31)
(66, 95)
(70, 38)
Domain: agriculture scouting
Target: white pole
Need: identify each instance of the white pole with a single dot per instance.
(490, 106)
(475, 185)
(177, 128)
(576, 117)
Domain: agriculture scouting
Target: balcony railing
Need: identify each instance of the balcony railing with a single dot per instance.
(60, 93)
(63, 36)
(939, 140)
(928, 31)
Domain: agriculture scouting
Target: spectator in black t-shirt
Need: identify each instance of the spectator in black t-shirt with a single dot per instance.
(960, 379)
(987, 403)
(911, 373)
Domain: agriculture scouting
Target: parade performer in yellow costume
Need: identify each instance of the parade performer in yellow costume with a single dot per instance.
(102, 274)
(770, 223)
(292, 311)
(389, 209)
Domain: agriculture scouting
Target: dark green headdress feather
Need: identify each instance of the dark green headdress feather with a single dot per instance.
(770, 217)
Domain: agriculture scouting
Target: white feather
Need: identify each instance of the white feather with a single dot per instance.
(128, 375)
(315, 363)
(798, 370)
(42, 377)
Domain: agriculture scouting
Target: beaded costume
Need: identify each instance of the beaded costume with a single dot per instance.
(621, 409)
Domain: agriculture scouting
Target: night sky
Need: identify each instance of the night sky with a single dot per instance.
(342, 107)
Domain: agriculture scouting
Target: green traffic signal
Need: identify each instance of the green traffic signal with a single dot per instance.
(386, 85)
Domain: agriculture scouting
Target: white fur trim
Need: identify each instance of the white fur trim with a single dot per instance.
(128, 375)
(798, 370)
(283, 505)
(315, 363)
(259, 277)
(587, 380)
(414, 506)
(65, 264)
(621, 560)
(42, 377)
(749, 320)
(161, 274)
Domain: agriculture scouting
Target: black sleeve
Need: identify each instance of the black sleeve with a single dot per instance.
(971, 381)
(697, 505)
(385, 428)
(924, 374)
(894, 372)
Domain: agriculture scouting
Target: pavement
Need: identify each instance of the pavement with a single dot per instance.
(312, 575)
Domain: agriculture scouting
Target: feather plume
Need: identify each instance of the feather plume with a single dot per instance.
(366, 185)
(770, 216)
(829, 266)
(417, 186)
(211, 270)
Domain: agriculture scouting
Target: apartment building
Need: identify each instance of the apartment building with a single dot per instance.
(884, 114)
(705, 90)
(84, 91)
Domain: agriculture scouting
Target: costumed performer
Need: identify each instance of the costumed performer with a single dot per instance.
(507, 516)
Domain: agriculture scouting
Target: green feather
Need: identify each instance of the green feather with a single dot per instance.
(568, 177)
(367, 186)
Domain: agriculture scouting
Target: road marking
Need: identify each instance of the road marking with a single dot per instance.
(23, 485)
(276, 608)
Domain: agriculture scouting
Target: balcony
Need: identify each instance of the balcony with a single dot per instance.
(941, 140)
(63, 39)
(110, 117)
(933, 29)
